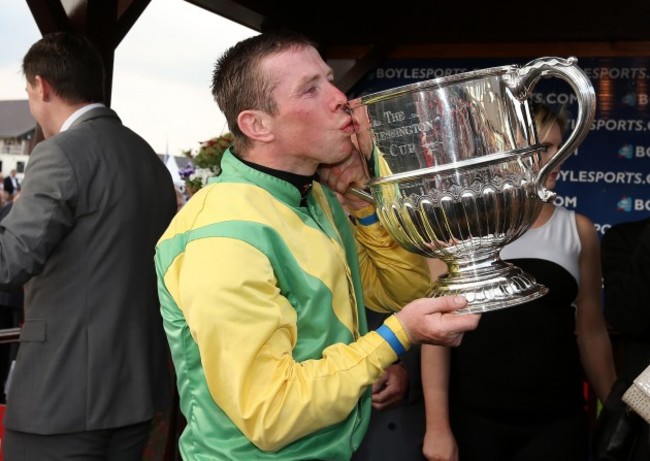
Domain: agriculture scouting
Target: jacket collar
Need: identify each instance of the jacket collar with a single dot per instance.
(88, 112)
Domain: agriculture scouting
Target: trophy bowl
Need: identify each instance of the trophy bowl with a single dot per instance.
(458, 173)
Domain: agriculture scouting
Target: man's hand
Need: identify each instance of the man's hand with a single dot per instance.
(340, 177)
(391, 388)
(432, 321)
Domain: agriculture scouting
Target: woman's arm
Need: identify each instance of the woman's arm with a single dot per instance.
(439, 442)
(591, 330)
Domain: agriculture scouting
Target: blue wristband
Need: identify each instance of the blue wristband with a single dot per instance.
(368, 220)
(385, 332)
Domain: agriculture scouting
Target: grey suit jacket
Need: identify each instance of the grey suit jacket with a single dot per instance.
(93, 354)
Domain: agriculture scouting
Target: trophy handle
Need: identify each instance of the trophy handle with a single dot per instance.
(362, 194)
(566, 69)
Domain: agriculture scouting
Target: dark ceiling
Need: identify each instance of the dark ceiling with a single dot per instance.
(336, 23)
(364, 32)
(367, 32)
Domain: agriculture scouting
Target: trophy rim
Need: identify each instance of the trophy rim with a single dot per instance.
(434, 83)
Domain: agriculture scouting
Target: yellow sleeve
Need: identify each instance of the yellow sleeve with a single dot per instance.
(246, 331)
(391, 276)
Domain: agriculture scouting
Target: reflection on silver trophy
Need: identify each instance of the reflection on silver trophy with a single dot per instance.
(459, 172)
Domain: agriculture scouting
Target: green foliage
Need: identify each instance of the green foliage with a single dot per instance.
(206, 161)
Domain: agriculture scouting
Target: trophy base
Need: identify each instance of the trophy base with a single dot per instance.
(505, 285)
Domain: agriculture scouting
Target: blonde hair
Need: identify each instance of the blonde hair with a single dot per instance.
(545, 118)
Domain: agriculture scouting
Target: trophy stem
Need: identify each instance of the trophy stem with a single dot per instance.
(488, 283)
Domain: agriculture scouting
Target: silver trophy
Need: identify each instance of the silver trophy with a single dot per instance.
(459, 171)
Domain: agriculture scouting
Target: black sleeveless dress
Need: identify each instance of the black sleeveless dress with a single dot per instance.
(521, 368)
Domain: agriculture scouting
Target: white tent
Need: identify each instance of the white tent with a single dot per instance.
(172, 166)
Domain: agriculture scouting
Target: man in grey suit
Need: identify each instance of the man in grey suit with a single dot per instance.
(11, 184)
(92, 369)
